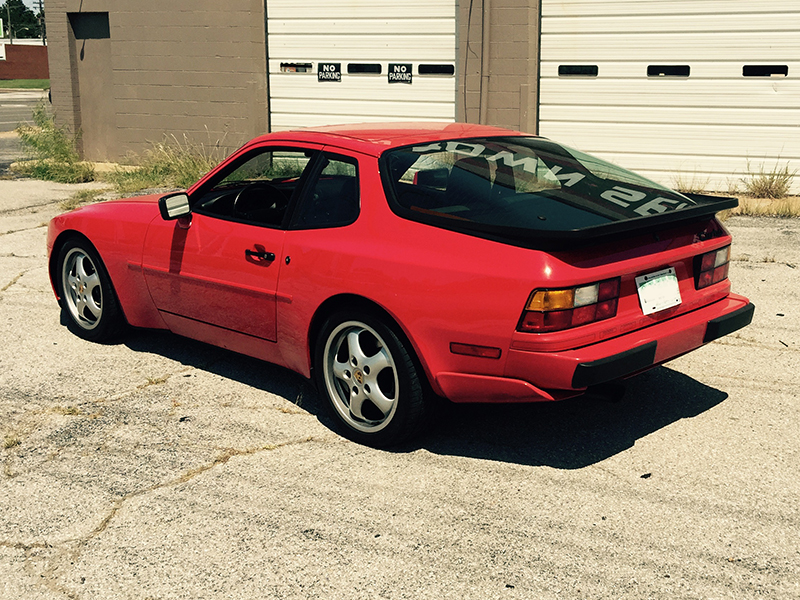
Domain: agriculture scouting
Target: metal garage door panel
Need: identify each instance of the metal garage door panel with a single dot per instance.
(351, 31)
(714, 121)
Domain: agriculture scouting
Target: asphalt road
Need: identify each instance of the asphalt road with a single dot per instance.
(16, 106)
(163, 468)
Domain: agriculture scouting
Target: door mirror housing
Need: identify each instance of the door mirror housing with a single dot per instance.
(174, 206)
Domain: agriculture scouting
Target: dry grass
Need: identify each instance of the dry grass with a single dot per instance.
(690, 183)
(766, 207)
(80, 198)
(11, 441)
(773, 183)
(169, 164)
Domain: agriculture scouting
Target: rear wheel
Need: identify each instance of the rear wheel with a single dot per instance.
(87, 298)
(369, 379)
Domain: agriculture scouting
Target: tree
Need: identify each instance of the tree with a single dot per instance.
(20, 19)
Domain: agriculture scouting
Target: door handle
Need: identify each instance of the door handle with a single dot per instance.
(260, 255)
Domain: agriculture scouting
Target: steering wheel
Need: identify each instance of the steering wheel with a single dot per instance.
(257, 197)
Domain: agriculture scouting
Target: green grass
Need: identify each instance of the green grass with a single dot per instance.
(24, 84)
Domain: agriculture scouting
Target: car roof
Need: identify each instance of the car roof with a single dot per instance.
(376, 138)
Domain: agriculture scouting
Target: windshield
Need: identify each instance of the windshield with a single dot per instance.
(519, 182)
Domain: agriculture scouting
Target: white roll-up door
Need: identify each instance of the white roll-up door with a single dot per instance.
(347, 61)
(678, 90)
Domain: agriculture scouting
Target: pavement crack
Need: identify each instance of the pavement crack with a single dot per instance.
(11, 211)
(10, 231)
(13, 281)
(224, 457)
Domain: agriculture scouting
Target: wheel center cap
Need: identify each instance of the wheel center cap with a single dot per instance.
(358, 376)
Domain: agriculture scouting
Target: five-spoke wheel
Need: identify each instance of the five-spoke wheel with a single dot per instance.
(369, 379)
(86, 292)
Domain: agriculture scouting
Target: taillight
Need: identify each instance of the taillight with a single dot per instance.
(552, 310)
(712, 267)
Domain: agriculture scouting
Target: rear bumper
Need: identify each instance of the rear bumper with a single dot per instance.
(542, 376)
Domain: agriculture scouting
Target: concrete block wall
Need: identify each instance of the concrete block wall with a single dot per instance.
(191, 71)
(502, 88)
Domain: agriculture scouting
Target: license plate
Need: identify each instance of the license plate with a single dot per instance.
(658, 291)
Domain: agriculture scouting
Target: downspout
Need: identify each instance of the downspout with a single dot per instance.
(485, 44)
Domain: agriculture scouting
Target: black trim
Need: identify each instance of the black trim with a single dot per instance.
(729, 323)
(614, 367)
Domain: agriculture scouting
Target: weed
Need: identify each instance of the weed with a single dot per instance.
(154, 381)
(169, 164)
(11, 441)
(53, 149)
(764, 183)
(80, 198)
(690, 184)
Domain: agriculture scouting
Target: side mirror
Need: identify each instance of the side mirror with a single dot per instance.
(174, 206)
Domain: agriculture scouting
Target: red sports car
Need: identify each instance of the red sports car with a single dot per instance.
(391, 262)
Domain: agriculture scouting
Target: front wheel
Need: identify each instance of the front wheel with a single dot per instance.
(87, 297)
(369, 379)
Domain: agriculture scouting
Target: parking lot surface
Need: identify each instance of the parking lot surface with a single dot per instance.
(159, 467)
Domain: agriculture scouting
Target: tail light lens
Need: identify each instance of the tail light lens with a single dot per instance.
(553, 310)
(712, 267)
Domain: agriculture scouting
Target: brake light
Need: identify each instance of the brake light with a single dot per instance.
(553, 310)
(712, 267)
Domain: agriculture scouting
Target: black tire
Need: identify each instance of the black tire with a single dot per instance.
(88, 301)
(369, 379)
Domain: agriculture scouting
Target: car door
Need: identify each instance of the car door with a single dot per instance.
(219, 268)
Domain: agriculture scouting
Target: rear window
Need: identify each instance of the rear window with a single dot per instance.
(519, 183)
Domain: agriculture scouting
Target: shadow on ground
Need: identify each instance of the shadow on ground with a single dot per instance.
(566, 435)
(574, 433)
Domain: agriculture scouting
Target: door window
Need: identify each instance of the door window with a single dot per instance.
(259, 189)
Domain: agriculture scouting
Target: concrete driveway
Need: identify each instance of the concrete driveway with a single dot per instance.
(164, 468)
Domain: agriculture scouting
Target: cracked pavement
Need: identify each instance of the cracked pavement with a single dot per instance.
(159, 467)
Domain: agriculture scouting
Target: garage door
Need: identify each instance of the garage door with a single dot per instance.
(346, 61)
(683, 91)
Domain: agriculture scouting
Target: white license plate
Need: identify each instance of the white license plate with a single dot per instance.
(658, 291)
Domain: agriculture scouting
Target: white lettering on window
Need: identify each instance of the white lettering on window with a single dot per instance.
(623, 196)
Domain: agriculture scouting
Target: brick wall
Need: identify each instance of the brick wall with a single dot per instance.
(24, 62)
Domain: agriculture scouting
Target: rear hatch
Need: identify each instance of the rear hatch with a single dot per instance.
(640, 244)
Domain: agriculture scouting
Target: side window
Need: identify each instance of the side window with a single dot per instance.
(333, 198)
(258, 190)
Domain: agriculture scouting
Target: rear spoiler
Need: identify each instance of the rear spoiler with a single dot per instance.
(540, 239)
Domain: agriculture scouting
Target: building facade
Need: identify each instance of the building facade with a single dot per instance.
(698, 92)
